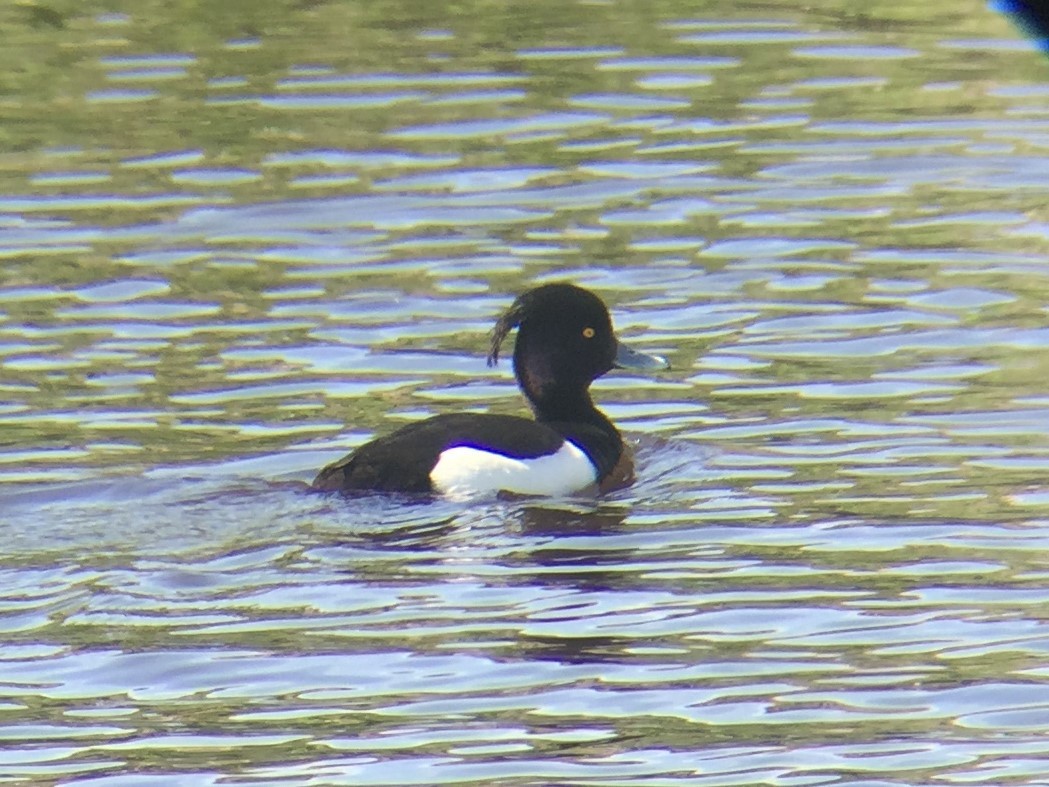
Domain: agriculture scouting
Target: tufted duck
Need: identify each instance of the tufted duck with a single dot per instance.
(564, 342)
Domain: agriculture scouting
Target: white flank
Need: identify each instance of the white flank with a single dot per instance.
(463, 472)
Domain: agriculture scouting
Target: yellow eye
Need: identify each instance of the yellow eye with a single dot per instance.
(588, 333)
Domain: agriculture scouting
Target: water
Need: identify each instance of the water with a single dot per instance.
(236, 244)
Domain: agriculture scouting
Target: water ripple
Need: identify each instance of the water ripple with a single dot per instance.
(229, 265)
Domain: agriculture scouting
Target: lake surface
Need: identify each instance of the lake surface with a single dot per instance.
(238, 239)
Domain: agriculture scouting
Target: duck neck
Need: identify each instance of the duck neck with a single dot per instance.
(557, 390)
(570, 406)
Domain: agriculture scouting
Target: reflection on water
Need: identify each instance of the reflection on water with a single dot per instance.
(236, 245)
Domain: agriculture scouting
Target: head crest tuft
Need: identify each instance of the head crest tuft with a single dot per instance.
(511, 319)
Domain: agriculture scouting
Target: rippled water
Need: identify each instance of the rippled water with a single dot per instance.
(237, 241)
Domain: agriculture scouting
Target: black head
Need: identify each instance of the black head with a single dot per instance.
(564, 342)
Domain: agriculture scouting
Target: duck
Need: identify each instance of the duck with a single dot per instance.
(565, 341)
